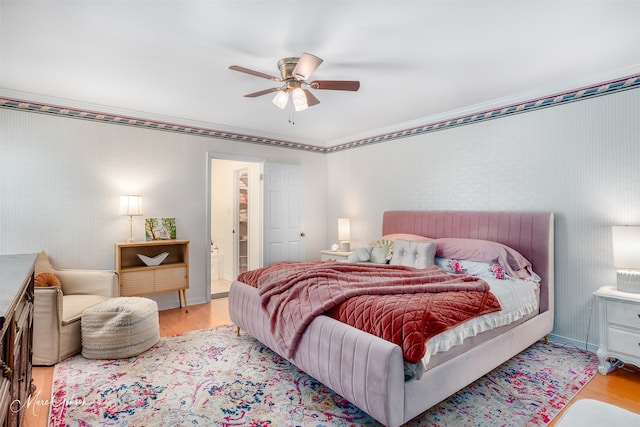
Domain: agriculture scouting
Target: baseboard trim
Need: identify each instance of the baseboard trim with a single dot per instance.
(592, 348)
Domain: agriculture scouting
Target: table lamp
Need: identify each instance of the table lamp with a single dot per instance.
(626, 257)
(131, 205)
(344, 234)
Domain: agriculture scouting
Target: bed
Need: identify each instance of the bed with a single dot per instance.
(370, 371)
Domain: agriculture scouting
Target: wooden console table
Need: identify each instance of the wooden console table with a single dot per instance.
(138, 279)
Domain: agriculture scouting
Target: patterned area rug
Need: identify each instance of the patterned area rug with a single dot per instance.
(214, 378)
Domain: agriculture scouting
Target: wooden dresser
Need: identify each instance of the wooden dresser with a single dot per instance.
(16, 323)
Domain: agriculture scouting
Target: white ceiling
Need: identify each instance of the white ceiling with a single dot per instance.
(415, 59)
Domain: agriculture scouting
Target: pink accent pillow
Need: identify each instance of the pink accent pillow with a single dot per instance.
(508, 258)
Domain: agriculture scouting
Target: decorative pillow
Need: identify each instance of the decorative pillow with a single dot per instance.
(508, 258)
(413, 254)
(403, 236)
(381, 251)
(479, 269)
(471, 268)
(360, 255)
(44, 280)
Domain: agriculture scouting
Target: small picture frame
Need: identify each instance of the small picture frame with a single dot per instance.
(160, 228)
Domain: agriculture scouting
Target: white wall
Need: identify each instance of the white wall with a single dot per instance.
(580, 160)
(61, 178)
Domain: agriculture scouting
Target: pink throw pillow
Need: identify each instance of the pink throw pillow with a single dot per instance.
(508, 258)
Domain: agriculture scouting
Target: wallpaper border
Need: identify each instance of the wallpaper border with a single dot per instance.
(612, 86)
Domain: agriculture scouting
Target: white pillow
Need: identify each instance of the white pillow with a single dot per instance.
(360, 255)
(413, 254)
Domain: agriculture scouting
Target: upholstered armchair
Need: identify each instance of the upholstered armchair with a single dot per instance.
(61, 295)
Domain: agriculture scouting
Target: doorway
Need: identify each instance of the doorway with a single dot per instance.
(235, 219)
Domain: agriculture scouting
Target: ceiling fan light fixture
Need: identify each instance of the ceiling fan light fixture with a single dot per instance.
(294, 72)
(281, 99)
(299, 99)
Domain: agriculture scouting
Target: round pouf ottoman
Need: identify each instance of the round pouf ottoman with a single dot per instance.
(119, 328)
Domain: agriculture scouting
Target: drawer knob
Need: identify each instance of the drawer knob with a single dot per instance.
(6, 371)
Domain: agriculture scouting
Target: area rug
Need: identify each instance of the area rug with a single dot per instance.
(215, 378)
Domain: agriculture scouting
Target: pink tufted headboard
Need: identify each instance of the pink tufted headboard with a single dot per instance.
(530, 233)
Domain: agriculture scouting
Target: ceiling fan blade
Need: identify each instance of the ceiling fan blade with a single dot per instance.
(311, 100)
(254, 73)
(306, 65)
(262, 92)
(352, 85)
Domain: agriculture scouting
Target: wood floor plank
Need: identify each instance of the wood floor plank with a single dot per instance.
(620, 387)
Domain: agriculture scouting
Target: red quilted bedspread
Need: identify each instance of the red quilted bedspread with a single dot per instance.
(402, 305)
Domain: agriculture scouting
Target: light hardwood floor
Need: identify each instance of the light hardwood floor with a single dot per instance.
(621, 387)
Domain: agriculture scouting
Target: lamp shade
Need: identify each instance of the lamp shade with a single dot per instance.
(299, 99)
(344, 229)
(626, 246)
(131, 205)
(281, 99)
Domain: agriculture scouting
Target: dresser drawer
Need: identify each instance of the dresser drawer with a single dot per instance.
(22, 324)
(22, 306)
(621, 341)
(623, 314)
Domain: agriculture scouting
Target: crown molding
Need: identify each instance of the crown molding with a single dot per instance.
(487, 111)
(491, 110)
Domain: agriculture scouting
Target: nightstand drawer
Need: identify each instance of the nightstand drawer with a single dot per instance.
(624, 342)
(623, 314)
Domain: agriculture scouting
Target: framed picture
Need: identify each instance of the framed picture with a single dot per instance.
(160, 228)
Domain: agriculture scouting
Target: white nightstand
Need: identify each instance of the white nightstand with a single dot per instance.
(619, 327)
(328, 254)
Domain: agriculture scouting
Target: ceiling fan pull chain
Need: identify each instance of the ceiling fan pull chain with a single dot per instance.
(292, 112)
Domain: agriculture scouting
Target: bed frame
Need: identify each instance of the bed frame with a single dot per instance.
(369, 371)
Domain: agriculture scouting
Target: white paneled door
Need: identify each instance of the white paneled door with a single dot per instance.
(283, 213)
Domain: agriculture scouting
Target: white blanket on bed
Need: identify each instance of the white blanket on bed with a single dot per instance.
(518, 298)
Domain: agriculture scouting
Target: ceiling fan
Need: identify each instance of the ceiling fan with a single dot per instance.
(294, 72)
